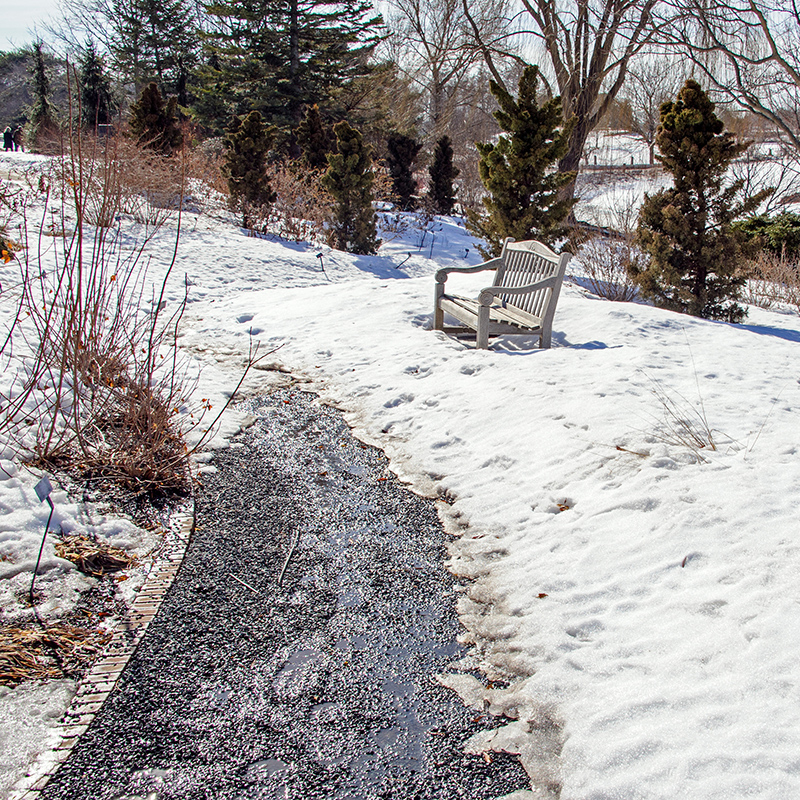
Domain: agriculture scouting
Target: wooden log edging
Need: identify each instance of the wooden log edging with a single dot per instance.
(99, 681)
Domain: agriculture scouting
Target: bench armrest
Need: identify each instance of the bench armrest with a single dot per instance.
(488, 294)
(441, 275)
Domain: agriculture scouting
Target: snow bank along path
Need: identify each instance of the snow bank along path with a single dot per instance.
(647, 600)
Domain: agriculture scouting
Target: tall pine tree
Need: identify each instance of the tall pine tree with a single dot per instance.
(349, 180)
(278, 57)
(518, 171)
(248, 143)
(441, 193)
(695, 254)
(155, 40)
(97, 101)
(43, 125)
(154, 121)
(402, 150)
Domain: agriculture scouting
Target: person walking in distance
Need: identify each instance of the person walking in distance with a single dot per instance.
(8, 139)
(19, 143)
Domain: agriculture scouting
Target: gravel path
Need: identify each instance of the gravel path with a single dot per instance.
(319, 685)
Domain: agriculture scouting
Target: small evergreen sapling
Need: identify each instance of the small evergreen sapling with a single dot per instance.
(441, 193)
(248, 143)
(349, 180)
(402, 150)
(519, 171)
(154, 122)
(695, 254)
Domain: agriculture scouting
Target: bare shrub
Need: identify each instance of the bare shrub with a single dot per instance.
(302, 206)
(773, 280)
(605, 265)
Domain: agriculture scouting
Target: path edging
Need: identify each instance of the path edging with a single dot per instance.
(102, 677)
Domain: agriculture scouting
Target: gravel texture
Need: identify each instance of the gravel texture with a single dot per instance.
(295, 655)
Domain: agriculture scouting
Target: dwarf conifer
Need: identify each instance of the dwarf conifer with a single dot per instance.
(402, 150)
(695, 254)
(441, 192)
(154, 121)
(315, 139)
(248, 143)
(518, 171)
(349, 180)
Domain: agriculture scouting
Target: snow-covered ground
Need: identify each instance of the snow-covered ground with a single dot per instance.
(640, 593)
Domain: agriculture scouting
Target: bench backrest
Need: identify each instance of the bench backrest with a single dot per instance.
(528, 262)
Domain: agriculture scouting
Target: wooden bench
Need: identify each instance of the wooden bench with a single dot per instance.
(521, 300)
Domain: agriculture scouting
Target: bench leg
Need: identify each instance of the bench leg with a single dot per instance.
(482, 342)
(438, 314)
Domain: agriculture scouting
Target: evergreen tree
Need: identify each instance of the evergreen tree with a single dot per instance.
(155, 122)
(315, 140)
(442, 171)
(155, 39)
(402, 152)
(97, 102)
(278, 57)
(695, 254)
(349, 180)
(248, 143)
(518, 171)
(43, 125)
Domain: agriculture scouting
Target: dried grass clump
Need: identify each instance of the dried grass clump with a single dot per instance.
(92, 557)
(58, 651)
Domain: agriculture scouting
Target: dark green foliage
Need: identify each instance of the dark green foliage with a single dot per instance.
(154, 122)
(43, 119)
(442, 171)
(695, 255)
(402, 150)
(349, 180)
(278, 57)
(779, 234)
(97, 101)
(248, 143)
(518, 171)
(155, 40)
(315, 139)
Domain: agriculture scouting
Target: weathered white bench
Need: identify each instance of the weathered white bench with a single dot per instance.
(521, 299)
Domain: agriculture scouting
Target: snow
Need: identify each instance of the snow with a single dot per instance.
(636, 594)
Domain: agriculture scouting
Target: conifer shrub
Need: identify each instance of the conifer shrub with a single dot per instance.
(695, 254)
(154, 121)
(442, 171)
(519, 171)
(248, 144)
(315, 139)
(349, 180)
(402, 151)
(779, 234)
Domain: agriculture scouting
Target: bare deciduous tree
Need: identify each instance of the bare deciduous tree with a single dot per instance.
(587, 46)
(434, 43)
(651, 81)
(748, 52)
